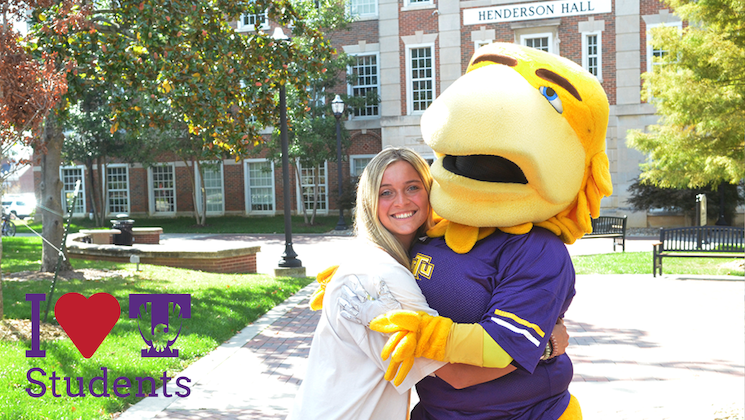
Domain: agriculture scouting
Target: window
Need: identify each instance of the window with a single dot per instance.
(259, 186)
(117, 189)
(417, 2)
(253, 21)
(69, 176)
(357, 163)
(308, 188)
(163, 187)
(363, 7)
(213, 187)
(655, 55)
(366, 72)
(421, 78)
(537, 41)
(479, 44)
(591, 54)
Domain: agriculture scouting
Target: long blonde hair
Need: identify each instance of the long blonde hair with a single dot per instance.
(367, 225)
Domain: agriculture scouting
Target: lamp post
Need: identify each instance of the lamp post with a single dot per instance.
(289, 258)
(337, 107)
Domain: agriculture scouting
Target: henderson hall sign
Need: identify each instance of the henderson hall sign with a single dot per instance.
(529, 11)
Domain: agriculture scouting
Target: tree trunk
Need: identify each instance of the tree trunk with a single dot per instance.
(302, 199)
(105, 190)
(316, 173)
(51, 193)
(194, 199)
(204, 195)
(101, 213)
(92, 188)
(2, 309)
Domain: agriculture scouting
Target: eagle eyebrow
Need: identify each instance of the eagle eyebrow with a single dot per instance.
(497, 59)
(559, 80)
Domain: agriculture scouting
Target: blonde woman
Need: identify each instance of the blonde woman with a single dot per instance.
(345, 375)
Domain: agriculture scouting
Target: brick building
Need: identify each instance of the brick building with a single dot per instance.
(409, 51)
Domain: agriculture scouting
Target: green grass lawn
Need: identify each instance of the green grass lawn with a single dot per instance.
(225, 224)
(641, 263)
(222, 304)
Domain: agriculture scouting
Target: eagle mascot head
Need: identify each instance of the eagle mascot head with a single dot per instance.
(520, 142)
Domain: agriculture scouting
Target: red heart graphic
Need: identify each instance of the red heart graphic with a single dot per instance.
(87, 321)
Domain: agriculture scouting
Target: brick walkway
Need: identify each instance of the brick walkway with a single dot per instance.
(643, 348)
(280, 351)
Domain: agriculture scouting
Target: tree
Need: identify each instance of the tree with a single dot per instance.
(90, 140)
(31, 86)
(182, 54)
(645, 196)
(699, 92)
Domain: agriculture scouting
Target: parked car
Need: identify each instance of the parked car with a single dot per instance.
(20, 206)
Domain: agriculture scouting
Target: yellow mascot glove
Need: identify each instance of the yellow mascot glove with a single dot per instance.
(323, 278)
(402, 344)
(415, 334)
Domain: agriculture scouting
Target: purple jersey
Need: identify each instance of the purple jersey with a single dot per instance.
(516, 287)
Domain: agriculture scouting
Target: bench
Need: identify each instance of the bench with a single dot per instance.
(146, 235)
(100, 236)
(700, 242)
(610, 227)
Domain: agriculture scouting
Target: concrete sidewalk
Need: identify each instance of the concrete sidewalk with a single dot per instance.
(643, 348)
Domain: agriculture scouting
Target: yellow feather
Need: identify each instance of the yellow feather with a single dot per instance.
(601, 173)
(519, 229)
(461, 238)
(439, 229)
(593, 197)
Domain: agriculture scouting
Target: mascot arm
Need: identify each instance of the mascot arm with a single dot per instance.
(472, 345)
(418, 334)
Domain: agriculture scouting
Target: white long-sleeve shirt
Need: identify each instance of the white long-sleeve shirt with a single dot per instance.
(345, 372)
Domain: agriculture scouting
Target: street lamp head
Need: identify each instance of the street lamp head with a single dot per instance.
(279, 34)
(337, 106)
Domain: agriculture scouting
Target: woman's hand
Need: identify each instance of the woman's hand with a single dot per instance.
(358, 306)
(559, 338)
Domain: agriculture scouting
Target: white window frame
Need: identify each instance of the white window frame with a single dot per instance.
(198, 183)
(549, 35)
(353, 163)
(242, 27)
(299, 189)
(410, 81)
(480, 43)
(81, 193)
(650, 26)
(409, 3)
(247, 187)
(151, 191)
(108, 190)
(350, 88)
(363, 15)
(585, 56)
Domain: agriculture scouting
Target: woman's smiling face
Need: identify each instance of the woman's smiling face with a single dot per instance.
(403, 203)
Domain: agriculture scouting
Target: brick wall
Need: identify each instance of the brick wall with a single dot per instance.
(237, 264)
(366, 30)
(138, 192)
